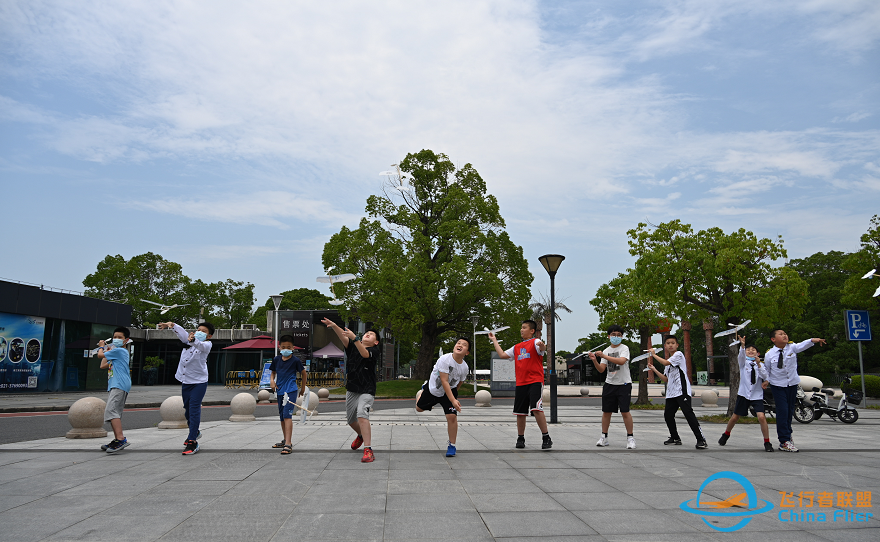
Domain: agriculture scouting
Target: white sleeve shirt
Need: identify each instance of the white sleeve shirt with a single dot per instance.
(787, 375)
(675, 372)
(752, 392)
(193, 366)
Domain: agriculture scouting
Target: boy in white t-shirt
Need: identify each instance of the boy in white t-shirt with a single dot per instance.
(442, 387)
(678, 391)
(617, 390)
(752, 383)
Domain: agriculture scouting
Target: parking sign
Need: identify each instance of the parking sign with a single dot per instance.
(858, 327)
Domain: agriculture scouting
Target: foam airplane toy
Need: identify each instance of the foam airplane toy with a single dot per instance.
(400, 177)
(588, 351)
(333, 279)
(871, 274)
(734, 328)
(495, 331)
(163, 308)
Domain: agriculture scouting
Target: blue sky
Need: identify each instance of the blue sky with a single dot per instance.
(236, 139)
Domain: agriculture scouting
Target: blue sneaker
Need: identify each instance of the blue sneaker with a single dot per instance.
(450, 450)
(117, 445)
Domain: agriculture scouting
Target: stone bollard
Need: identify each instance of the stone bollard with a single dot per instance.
(585, 392)
(546, 396)
(709, 398)
(313, 403)
(263, 397)
(419, 395)
(173, 416)
(484, 398)
(86, 417)
(323, 394)
(243, 406)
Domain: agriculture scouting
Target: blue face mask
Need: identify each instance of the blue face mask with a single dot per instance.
(616, 340)
(287, 353)
(750, 358)
(201, 335)
(118, 343)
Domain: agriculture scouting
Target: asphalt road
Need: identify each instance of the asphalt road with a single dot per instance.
(18, 427)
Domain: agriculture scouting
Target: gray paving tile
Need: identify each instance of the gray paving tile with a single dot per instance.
(421, 474)
(109, 528)
(429, 503)
(431, 487)
(488, 474)
(593, 501)
(563, 485)
(11, 501)
(871, 534)
(250, 505)
(231, 528)
(193, 487)
(353, 503)
(512, 487)
(639, 522)
(537, 524)
(330, 526)
(505, 502)
(158, 505)
(463, 525)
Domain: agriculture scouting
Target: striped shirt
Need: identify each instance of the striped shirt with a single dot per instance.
(675, 372)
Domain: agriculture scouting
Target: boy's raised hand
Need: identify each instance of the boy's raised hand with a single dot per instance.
(821, 341)
(349, 333)
(328, 322)
(742, 340)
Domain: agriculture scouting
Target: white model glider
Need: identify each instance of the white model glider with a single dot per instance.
(398, 176)
(495, 331)
(588, 351)
(333, 279)
(734, 328)
(163, 308)
(871, 273)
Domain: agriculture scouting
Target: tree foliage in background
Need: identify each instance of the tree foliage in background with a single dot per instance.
(431, 255)
(622, 301)
(296, 299)
(150, 276)
(712, 273)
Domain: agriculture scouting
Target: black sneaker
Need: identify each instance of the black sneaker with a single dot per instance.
(192, 447)
(723, 440)
(768, 447)
(521, 442)
(104, 447)
(546, 444)
(702, 445)
(670, 440)
(117, 445)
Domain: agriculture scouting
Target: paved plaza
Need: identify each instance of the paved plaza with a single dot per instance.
(238, 488)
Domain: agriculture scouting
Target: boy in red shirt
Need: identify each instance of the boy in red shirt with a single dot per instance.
(529, 358)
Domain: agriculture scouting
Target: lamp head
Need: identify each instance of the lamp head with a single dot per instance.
(551, 263)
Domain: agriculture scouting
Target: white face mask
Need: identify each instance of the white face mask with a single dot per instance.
(616, 340)
(287, 353)
(118, 343)
(201, 335)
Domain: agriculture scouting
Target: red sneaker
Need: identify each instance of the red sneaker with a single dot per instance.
(356, 443)
(368, 456)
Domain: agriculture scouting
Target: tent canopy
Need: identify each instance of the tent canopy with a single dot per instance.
(329, 351)
(262, 342)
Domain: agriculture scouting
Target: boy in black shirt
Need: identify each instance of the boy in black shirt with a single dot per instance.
(360, 367)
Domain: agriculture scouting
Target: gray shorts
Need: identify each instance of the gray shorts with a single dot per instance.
(358, 405)
(115, 404)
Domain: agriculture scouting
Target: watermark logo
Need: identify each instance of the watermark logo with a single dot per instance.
(747, 503)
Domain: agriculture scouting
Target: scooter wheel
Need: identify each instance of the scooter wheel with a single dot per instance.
(849, 415)
(804, 413)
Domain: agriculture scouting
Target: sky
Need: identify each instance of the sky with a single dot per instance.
(236, 138)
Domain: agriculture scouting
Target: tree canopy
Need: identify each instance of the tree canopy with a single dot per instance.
(296, 299)
(432, 252)
(149, 276)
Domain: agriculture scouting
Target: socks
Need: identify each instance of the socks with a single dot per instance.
(766, 440)
(727, 433)
(628, 435)
(605, 435)
(545, 435)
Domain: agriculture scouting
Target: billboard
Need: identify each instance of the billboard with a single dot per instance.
(21, 350)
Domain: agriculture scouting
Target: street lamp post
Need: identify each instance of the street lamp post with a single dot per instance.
(277, 300)
(474, 319)
(551, 263)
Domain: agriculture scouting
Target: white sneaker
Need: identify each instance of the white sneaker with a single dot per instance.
(602, 441)
(787, 447)
(630, 443)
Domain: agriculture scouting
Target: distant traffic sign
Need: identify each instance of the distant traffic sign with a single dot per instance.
(858, 326)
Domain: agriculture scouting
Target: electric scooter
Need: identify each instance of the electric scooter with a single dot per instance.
(843, 412)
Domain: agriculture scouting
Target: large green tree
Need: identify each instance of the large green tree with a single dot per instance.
(432, 253)
(622, 301)
(700, 274)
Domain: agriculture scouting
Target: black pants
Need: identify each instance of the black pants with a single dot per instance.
(672, 406)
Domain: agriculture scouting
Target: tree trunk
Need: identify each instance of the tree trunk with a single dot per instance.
(426, 359)
(645, 337)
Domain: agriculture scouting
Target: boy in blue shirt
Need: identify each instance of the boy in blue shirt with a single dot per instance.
(284, 368)
(114, 357)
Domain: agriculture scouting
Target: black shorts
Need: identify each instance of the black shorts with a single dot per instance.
(616, 396)
(742, 406)
(528, 399)
(427, 400)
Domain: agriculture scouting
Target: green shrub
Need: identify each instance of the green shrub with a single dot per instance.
(872, 385)
(153, 362)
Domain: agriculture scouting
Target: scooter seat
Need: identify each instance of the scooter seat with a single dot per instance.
(827, 391)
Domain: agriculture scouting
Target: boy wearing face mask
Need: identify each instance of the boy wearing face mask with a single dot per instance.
(284, 368)
(752, 383)
(617, 390)
(192, 373)
(114, 357)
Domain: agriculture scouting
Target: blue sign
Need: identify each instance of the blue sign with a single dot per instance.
(21, 351)
(858, 326)
(266, 376)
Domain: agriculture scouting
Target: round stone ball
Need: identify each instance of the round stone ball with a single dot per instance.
(171, 411)
(313, 402)
(243, 404)
(585, 392)
(709, 397)
(419, 395)
(483, 398)
(546, 396)
(323, 394)
(86, 417)
(263, 396)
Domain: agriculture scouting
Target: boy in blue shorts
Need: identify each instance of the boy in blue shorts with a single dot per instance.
(752, 383)
(284, 368)
(442, 388)
(114, 357)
